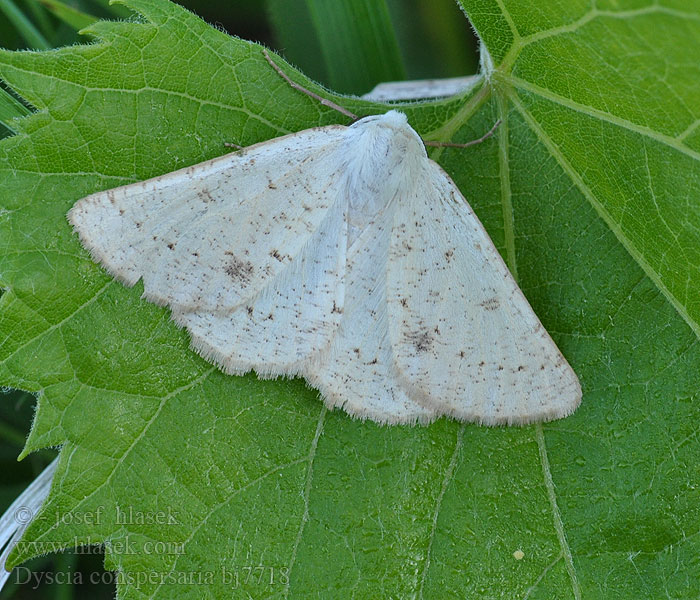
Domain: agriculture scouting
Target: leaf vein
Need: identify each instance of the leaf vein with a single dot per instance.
(614, 227)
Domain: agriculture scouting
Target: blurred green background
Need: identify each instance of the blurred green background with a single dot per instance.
(347, 45)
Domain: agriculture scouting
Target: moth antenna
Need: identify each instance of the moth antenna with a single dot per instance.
(296, 86)
(484, 137)
(232, 145)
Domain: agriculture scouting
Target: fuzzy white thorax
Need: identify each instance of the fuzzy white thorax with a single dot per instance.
(380, 156)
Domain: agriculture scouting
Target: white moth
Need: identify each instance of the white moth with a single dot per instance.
(348, 257)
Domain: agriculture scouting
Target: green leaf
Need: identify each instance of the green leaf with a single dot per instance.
(590, 191)
(10, 109)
